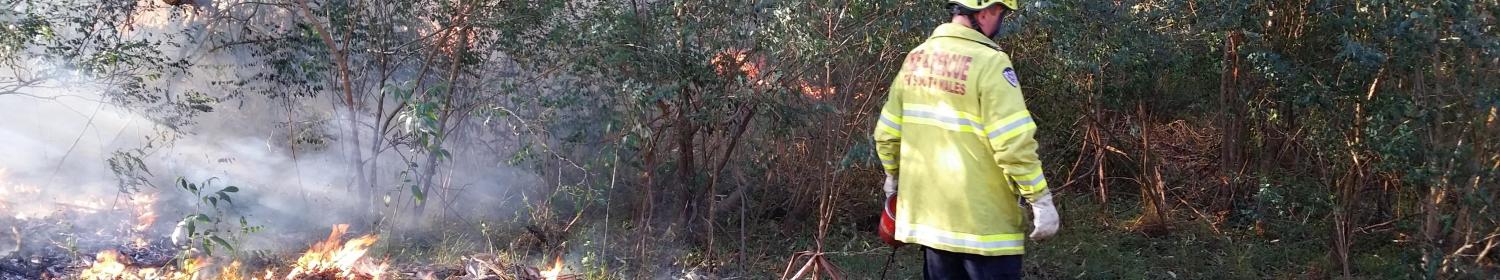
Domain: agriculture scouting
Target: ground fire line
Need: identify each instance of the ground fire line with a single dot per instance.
(331, 258)
(88, 237)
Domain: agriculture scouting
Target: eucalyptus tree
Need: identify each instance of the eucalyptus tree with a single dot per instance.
(71, 48)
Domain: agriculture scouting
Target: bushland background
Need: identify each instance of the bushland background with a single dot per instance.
(650, 139)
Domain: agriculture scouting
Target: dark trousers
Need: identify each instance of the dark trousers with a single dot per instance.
(949, 265)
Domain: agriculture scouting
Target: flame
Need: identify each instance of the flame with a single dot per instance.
(555, 271)
(107, 265)
(727, 59)
(1492, 115)
(110, 264)
(232, 271)
(139, 242)
(752, 68)
(193, 267)
(12, 194)
(145, 216)
(23, 201)
(235, 268)
(145, 211)
(156, 14)
(345, 260)
(327, 259)
(813, 91)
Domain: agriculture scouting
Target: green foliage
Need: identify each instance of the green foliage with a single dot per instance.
(1296, 77)
(1396, 93)
(209, 226)
(130, 172)
(1380, 113)
(89, 45)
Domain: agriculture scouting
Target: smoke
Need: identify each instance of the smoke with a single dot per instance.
(288, 158)
(60, 147)
(55, 147)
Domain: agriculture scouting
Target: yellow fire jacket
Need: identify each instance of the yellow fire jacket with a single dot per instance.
(957, 133)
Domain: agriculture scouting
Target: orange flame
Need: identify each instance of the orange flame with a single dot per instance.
(327, 259)
(110, 264)
(145, 216)
(24, 201)
(727, 59)
(232, 271)
(145, 211)
(14, 195)
(345, 260)
(555, 271)
(107, 265)
(752, 67)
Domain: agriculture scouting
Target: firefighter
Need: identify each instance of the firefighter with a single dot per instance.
(955, 135)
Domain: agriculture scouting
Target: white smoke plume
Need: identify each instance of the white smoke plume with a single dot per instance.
(287, 160)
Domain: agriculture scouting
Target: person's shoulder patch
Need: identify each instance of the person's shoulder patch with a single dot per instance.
(1010, 75)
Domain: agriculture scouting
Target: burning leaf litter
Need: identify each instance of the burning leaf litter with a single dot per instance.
(554, 272)
(55, 241)
(485, 266)
(111, 265)
(328, 259)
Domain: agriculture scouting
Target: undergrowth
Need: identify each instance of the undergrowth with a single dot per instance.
(1095, 243)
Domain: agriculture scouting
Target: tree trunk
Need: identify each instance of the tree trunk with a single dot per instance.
(340, 59)
(1231, 120)
(686, 168)
(435, 147)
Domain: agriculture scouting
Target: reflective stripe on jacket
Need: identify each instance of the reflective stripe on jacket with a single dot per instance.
(957, 133)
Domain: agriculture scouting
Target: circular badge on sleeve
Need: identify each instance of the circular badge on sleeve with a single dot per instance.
(1010, 75)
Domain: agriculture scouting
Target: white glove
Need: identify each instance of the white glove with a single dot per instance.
(1043, 218)
(890, 185)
